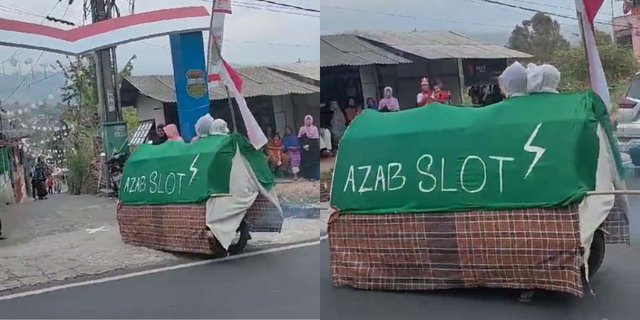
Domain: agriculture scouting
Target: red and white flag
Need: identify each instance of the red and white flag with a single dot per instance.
(222, 73)
(587, 11)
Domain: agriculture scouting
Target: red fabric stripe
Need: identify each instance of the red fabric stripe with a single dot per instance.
(104, 26)
(591, 7)
(213, 77)
(235, 76)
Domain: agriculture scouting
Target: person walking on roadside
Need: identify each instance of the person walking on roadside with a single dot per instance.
(50, 185)
(40, 176)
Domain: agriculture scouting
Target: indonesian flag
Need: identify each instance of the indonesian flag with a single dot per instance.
(221, 73)
(587, 11)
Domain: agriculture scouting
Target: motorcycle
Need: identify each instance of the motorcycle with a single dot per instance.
(116, 165)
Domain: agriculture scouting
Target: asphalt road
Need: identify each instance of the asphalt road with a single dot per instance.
(280, 285)
(617, 287)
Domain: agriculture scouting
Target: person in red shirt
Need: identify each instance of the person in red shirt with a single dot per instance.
(440, 95)
(50, 185)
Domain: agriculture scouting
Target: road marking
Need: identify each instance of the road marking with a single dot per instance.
(92, 231)
(158, 270)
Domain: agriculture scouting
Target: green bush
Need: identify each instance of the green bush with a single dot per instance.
(82, 176)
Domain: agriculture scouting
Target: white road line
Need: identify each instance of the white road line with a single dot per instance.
(152, 271)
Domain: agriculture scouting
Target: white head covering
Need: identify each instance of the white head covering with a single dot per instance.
(513, 80)
(544, 78)
(204, 126)
(219, 126)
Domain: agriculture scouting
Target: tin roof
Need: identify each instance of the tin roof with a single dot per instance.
(442, 45)
(310, 70)
(258, 81)
(349, 50)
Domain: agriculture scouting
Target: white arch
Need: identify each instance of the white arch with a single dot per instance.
(104, 34)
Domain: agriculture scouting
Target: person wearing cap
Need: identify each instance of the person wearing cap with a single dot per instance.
(425, 97)
(513, 81)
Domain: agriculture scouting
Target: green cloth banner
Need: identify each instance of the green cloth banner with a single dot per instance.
(180, 173)
(5, 157)
(533, 151)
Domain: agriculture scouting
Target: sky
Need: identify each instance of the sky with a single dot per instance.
(465, 16)
(253, 36)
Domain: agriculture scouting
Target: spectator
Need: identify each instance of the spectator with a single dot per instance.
(425, 96)
(292, 148)
(389, 103)
(171, 131)
(310, 138)
(371, 103)
(160, 136)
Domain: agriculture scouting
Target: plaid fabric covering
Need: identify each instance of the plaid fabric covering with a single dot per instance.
(617, 225)
(182, 228)
(526, 249)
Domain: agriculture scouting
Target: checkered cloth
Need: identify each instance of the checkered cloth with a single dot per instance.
(523, 249)
(182, 228)
(617, 225)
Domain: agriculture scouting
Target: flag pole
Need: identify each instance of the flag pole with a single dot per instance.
(233, 112)
(229, 102)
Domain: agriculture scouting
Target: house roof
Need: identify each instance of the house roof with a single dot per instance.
(309, 70)
(442, 45)
(258, 81)
(349, 50)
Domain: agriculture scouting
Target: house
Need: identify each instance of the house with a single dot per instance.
(276, 97)
(360, 65)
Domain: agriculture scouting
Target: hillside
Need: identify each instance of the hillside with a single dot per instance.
(33, 89)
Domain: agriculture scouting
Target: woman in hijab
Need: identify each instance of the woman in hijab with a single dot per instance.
(292, 148)
(310, 138)
(338, 121)
(204, 127)
(278, 160)
(389, 103)
(171, 130)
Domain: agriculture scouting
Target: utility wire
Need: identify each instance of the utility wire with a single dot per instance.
(41, 22)
(389, 14)
(288, 5)
(39, 57)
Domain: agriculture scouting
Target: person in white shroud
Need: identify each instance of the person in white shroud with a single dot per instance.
(542, 79)
(513, 81)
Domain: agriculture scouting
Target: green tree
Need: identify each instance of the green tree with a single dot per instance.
(130, 116)
(603, 38)
(539, 37)
(618, 63)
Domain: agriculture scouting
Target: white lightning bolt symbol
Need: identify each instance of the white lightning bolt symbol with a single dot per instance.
(533, 149)
(193, 169)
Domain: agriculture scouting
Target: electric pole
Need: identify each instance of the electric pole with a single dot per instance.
(109, 108)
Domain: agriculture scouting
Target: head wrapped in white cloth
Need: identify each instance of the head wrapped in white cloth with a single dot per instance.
(513, 80)
(205, 125)
(219, 127)
(544, 78)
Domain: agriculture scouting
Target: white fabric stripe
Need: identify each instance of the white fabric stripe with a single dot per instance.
(594, 209)
(104, 40)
